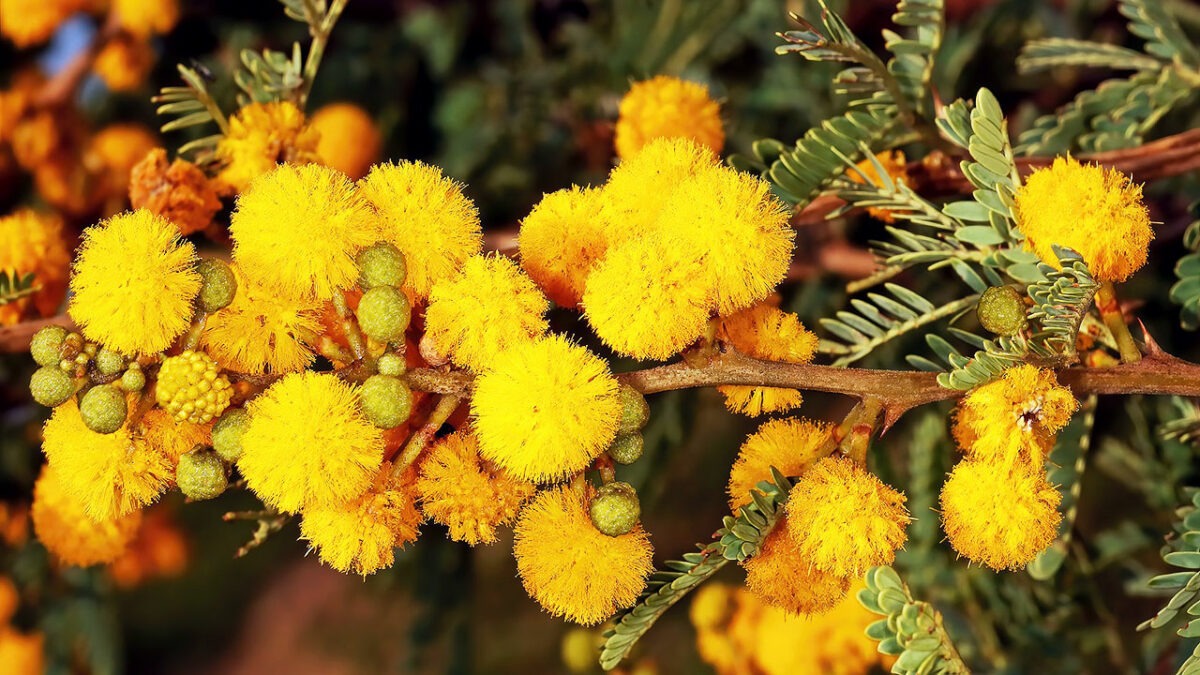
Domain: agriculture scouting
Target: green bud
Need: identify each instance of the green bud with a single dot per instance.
(103, 408)
(109, 362)
(386, 401)
(579, 650)
(615, 509)
(201, 475)
(392, 364)
(380, 265)
(51, 386)
(133, 380)
(227, 433)
(635, 412)
(47, 345)
(1002, 310)
(383, 313)
(627, 449)
(217, 287)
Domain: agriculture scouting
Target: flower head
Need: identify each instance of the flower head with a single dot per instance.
(561, 239)
(780, 575)
(298, 228)
(350, 141)
(307, 445)
(637, 188)
(179, 191)
(491, 306)
(113, 152)
(34, 242)
(146, 17)
(668, 107)
(62, 525)
(1095, 211)
(893, 165)
(161, 433)
(845, 520)
(427, 216)
(133, 284)
(467, 495)
(261, 331)
(22, 653)
(261, 136)
(569, 567)
(999, 517)
(545, 409)
(833, 643)
(766, 332)
(124, 62)
(1015, 417)
(790, 445)
(28, 22)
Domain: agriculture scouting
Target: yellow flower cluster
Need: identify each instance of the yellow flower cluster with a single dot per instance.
(261, 136)
(766, 332)
(349, 140)
(29, 22)
(63, 524)
(667, 107)
(21, 653)
(791, 445)
(33, 242)
(893, 166)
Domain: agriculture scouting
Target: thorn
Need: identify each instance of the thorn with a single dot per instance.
(1153, 350)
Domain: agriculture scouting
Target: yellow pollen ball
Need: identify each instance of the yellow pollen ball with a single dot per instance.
(668, 107)
(634, 196)
(766, 332)
(29, 22)
(893, 166)
(831, 643)
(192, 388)
(790, 445)
(33, 242)
(780, 575)
(561, 240)
(350, 141)
(261, 136)
(146, 17)
(1015, 417)
(72, 536)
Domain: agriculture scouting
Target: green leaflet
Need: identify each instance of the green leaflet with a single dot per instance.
(911, 629)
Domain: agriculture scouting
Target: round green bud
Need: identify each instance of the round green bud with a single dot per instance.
(133, 380)
(635, 412)
(627, 449)
(217, 285)
(109, 362)
(615, 509)
(380, 265)
(579, 650)
(391, 364)
(1002, 310)
(386, 401)
(103, 408)
(201, 475)
(51, 386)
(383, 313)
(227, 433)
(46, 345)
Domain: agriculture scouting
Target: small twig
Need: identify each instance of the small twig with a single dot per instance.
(441, 412)
(350, 327)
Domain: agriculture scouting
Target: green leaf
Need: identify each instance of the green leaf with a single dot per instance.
(1049, 53)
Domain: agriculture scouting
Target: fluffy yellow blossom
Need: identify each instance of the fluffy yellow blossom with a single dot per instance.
(560, 241)
(146, 17)
(546, 409)
(461, 491)
(780, 575)
(1015, 417)
(569, 567)
(766, 332)
(22, 653)
(637, 188)
(491, 306)
(298, 228)
(831, 643)
(262, 135)
(360, 535)
(133, 283)
(60, 523)
(307, 445)
(426, 215)
(179, 191)
(29, 22)
(34, 242)
(668, 107)
(712, 606)
(161, 433)
(643, 302)
(124, 62)
(350, 141)
(999, 517)
(790, 445)
(117, 148)
(261, 331)
(893, 165)
(1095, 211)
(844, 519)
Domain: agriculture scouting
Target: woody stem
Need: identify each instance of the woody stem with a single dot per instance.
(1114, 320)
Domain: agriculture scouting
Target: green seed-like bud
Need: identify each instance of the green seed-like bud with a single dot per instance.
(133, 380)
(103, 409)
(201, 475)
(383, 313)
(615, 509)
(227, 433)
(579, 650)
(217, 287)
(386, 401)
(634, 410)
(109, 362)
(51, 386)
(392, 364)
(46, 345)
(627, 449)
(381, 265)
(1002, 310)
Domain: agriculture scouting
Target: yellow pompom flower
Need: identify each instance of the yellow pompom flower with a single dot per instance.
(766, 332)
(133, 283)
(1015, 417)
(114, 151)
(572, 569)
(893, 165)
(844, 519)
(790, 445)
(459, 490)
(72, 536)
(307, 445)
(124, 62)
(33, 242)
(350, 141)
(999, 517)
(712, 606)
(360, 536)
(29, 22)
(560, 241)
(22, 653)
(144, 18)
(426, 215)
(192, 388)
(111, 474)
(298, 228)
(261, 331)
(668, 107)
(161, 433)
(489, 307)
(832, 643)
(780, 575)
(545, 409)
(637, 188)
(1095, 211)
(261, 136)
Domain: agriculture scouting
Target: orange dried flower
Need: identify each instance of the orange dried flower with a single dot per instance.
(179, 191)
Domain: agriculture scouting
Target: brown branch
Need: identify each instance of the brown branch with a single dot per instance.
(16, 338)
